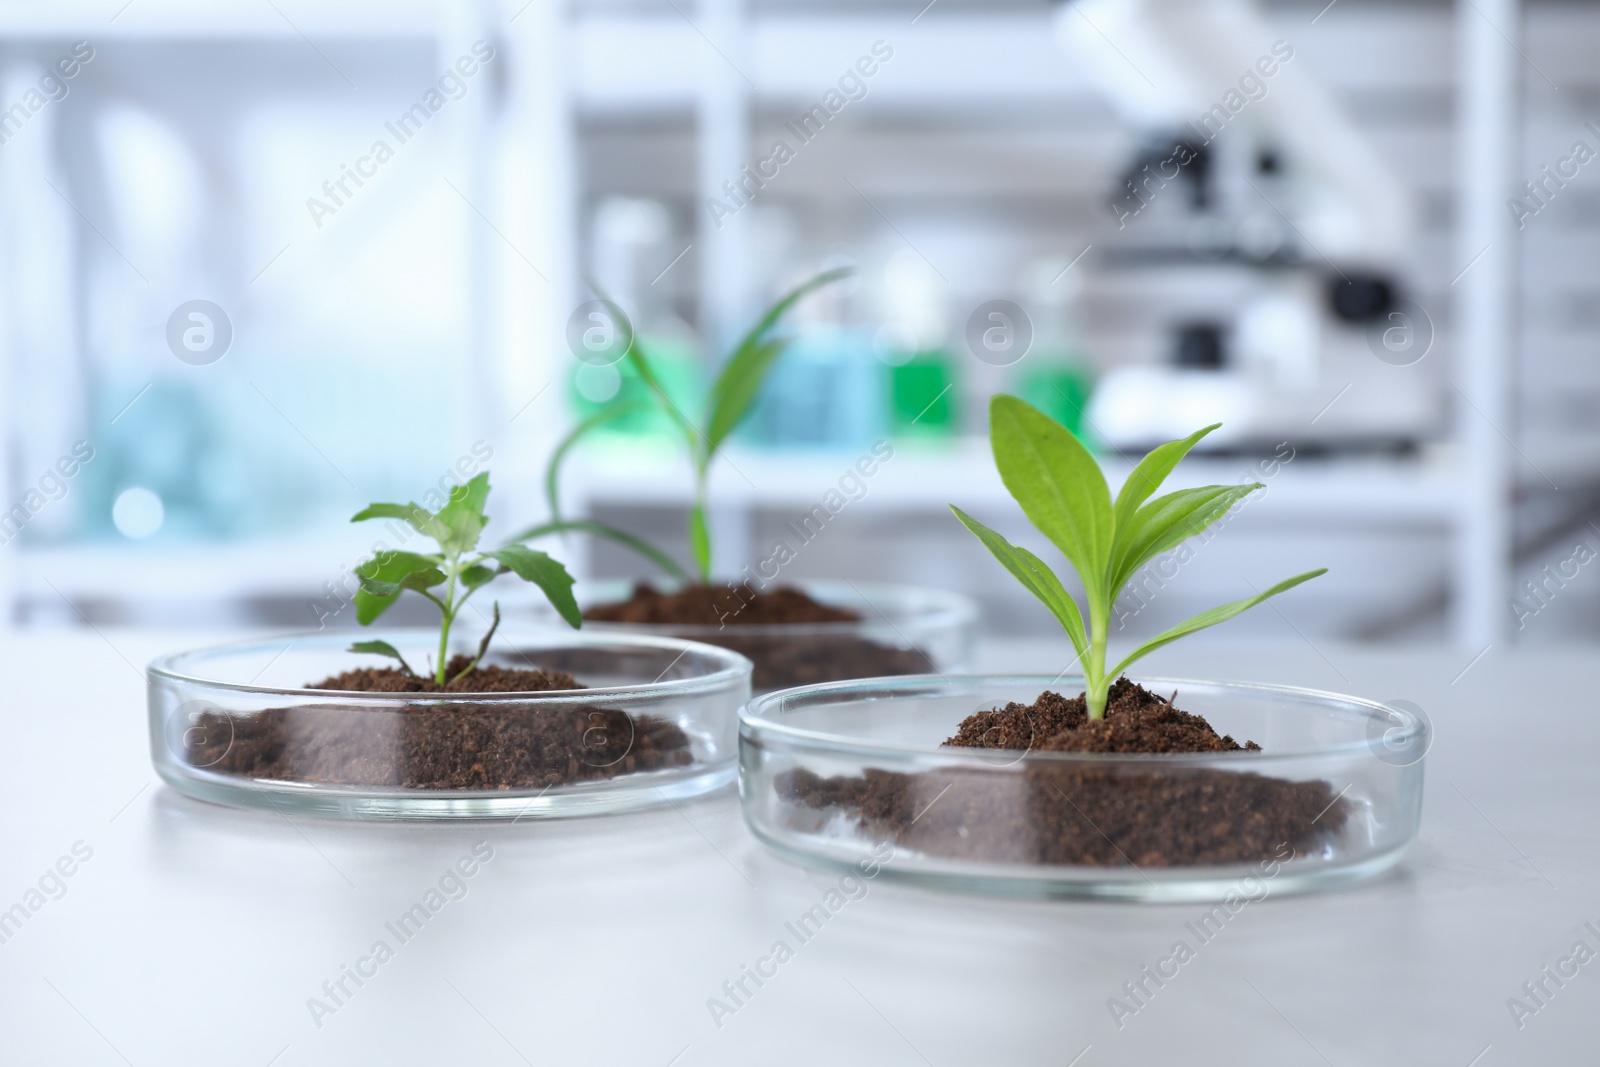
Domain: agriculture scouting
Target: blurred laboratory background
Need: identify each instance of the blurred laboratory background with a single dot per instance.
(264, 263)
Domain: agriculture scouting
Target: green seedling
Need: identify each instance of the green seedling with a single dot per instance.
(450, 576)
(728, 404)
(1064, 495)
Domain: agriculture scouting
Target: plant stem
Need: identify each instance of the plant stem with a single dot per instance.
(449, 607)
(1095, 697)
(444, 643)
(702, 559)
(1095, 686)
(483, 646)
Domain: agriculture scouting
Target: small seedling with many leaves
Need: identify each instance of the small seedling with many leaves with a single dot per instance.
(729, 402)
(451, 575)
(1065, 497)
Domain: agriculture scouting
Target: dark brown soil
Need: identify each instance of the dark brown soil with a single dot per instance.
(487, 678)
(1046, 813)
(472, 746)
(780, 662)
(708, 605)
(1136, 720)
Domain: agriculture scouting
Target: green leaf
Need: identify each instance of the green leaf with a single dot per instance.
(735, 390)
(789, 300)
(534, 566)
(611, 533)
(1167, 522)
(462, 516)
(384, 575)
(422, 580)
(1150, 473)
(370, 605)
(647, 374)
(377, 588)
(472, 496)
(736, 387)
(1210, 618)
(1037, 578)
(388, 511)
(700, 540)
(382, 648)
(420, 518)
(478, 574)
(1059, 485)
(552, 474)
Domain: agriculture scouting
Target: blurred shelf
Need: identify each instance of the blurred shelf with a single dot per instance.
(1556, 459)
(170, 573)
(921, 476)
(653, 61)
(926, 475)
(170, 19)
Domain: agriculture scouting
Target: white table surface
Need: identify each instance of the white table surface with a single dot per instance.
(195, 934)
